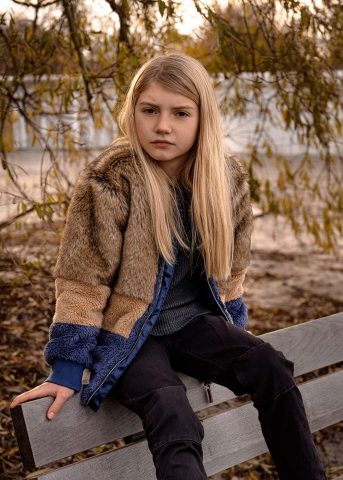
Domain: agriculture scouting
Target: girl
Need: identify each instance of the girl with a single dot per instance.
(149, 280)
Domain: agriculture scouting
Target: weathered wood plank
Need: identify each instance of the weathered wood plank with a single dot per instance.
(230, 438)
(311, 345)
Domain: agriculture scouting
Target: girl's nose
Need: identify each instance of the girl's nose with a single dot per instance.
(163, 124)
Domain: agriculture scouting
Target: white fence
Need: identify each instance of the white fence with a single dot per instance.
(239, 131)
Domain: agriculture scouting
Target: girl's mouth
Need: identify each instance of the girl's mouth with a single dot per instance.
(162, 144)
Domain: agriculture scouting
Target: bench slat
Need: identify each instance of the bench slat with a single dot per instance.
(231, 437)
(310, 345)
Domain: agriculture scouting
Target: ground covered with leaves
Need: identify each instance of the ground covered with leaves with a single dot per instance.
(287, 283)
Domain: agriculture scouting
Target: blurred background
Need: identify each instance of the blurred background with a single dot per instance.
(277, 69)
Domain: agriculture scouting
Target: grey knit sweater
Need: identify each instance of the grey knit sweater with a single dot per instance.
(188, 296)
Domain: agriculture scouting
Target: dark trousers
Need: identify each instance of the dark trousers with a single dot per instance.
(211, 349)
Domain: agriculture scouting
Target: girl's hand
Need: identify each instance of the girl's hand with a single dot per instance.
(46, 389)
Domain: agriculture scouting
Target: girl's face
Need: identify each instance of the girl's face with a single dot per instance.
(161, 115)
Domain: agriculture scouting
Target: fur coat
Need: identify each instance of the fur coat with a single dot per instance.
(110, 280)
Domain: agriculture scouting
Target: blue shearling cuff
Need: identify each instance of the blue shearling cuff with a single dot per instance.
(238, 311)
(66, 373)
(72, 342)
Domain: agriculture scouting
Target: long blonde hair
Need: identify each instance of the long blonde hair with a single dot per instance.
(205, 173)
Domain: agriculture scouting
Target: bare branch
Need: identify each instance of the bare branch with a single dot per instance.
(122, 9)
(12, 220)
(69, 10)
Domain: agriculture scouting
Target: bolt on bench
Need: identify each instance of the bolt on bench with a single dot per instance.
(231, 437)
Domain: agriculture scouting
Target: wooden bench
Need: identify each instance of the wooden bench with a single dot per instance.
(231, 436)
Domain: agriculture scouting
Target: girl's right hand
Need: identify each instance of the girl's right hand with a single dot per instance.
(46, 389)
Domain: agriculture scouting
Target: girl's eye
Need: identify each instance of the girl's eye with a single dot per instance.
(152, 110)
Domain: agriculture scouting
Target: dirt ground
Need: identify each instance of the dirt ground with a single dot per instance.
(287, 283)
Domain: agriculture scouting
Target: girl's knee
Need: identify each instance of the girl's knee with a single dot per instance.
(169, 417)
(266, 373)
(275, 360)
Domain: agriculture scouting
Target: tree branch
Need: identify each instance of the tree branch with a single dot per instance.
(9, 222)
(69, 10)
(123, 11)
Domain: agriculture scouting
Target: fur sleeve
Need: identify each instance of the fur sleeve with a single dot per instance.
(88, 259)
(243, 224)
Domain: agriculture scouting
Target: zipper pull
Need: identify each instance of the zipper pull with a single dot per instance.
(207, 386)
(86, 376)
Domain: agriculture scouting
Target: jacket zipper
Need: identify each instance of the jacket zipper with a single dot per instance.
(122, 359)
(228, 318)
(208, 391)
(207, 385)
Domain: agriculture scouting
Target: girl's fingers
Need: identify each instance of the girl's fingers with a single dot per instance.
(43, 390)
(61, 394)
(61, 398)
